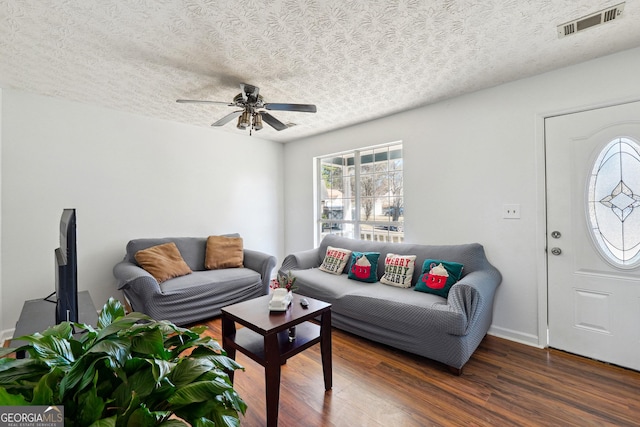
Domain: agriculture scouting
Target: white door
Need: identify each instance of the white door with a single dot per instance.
(593, 233)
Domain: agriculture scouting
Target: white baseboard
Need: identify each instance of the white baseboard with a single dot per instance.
(511, 335)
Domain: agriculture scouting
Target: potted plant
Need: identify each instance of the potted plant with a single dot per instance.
(129, 370)
(282, 281)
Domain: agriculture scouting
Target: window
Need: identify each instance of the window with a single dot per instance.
(613, 203)
(360, 194)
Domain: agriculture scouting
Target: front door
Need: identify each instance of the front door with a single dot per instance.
(593, 233)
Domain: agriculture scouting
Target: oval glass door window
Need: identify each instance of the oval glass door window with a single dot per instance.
(613, 199)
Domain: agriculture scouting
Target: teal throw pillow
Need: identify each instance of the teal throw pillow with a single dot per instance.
(364, 266)
(438, 276)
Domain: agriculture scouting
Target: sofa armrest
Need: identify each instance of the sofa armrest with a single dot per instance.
(136, 283)
(130, 276)
(302, 260)
(262, 263)
(473, 297)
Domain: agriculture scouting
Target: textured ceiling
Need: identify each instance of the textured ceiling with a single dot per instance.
(356, 60)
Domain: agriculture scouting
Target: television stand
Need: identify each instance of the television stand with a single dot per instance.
(39, 314)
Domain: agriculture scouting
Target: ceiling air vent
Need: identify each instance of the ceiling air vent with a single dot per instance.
(581, 24)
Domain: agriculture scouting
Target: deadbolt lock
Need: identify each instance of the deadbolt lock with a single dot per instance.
(556, 234)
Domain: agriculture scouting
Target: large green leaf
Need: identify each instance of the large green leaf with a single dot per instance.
(161, 369)
(116, 348)
(105, 422)
(188, 370)
(224, 362)
(198, 392)
(212, 410)
(54, 351)
(208, 343)
(12, 370)
(149, 343)
(8, 399)
(91, 407)
(111, 311)
(81, 374)
(173, 423)
(140, 383)
(202, 422)
(44, 392)
(143, 417)
(121, 324)
(233, 399)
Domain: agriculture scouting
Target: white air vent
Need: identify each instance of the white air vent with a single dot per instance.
(581, 24)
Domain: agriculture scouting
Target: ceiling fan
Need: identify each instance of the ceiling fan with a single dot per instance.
(250, 102)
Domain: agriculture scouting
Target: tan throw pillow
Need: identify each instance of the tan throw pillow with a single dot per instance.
(335, 260)
(163, 261)
(223, 252)
(398, 270)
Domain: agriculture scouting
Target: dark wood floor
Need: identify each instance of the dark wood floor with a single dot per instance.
(504, 384)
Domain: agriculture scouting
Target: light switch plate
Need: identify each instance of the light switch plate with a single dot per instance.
(511, 211)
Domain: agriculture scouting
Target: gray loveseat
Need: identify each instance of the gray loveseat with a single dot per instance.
(444, 329)
(195, 296)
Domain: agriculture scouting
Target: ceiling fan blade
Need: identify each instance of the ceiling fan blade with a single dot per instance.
(199, 101)
(305, 108)
(272, 121)
(226, 119)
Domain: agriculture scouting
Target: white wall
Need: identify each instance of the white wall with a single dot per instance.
(128, 176)
(464, 159)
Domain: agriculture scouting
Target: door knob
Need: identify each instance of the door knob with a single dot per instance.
(556, 251)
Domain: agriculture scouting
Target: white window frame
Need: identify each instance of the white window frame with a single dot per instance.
(361, 229)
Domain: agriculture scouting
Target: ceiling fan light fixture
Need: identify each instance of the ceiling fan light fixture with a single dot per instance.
(244, 121)
(257, 121)
(248, 102)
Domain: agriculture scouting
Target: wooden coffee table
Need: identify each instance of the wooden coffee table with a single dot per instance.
(265, 339)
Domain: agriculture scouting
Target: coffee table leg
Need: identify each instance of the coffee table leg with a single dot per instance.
(272, 378)
(325, 349)
(228, 333)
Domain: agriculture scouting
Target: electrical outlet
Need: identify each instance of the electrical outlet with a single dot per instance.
(511, 211)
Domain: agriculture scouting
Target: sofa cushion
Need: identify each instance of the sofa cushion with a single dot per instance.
(163, 261)
(364, 266)
(223, 252)
(435, 282)
(207, 280)
(398, 270)
(335, 260)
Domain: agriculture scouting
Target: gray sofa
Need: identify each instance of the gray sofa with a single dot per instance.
(444, 329)
(196, 296)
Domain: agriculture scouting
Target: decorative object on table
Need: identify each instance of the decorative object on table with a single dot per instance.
(283, 286)
(287, 282)
(280, 299)
(129, 370)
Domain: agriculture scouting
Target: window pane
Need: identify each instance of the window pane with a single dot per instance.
(613, 203)
(366, 202)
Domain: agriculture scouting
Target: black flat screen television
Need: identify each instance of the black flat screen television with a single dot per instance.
(67, 270)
